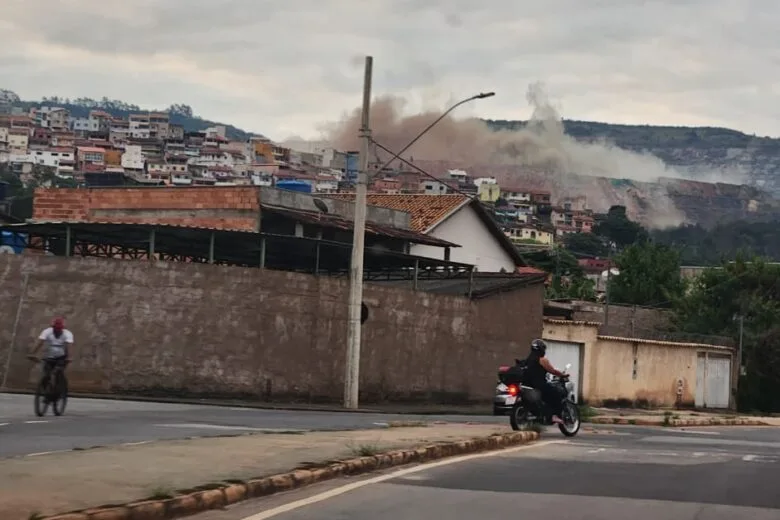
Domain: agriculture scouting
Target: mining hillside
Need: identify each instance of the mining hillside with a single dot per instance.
(667, 202)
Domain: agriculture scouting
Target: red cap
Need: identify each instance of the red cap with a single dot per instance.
(58, 324)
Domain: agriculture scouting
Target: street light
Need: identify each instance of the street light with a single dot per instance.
(352, 369)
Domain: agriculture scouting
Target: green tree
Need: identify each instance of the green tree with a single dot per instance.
(616, 227)
(649, 275)
(749, 289)
(588, 244)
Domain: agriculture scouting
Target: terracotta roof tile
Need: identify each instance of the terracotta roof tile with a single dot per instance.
(424, 210)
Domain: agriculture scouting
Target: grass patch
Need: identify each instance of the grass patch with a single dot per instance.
(587, 412)
(161, 493)
(532, 427)
(35, 515)
(407, 424)
(364, 449)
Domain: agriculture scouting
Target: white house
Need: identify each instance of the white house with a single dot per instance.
(458, 219)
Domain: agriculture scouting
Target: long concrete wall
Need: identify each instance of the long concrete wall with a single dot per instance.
(221, 331)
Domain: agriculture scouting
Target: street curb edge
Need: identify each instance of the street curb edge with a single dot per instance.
(205, 500)
(677, 422)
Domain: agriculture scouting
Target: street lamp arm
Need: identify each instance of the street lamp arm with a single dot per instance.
(481, 95)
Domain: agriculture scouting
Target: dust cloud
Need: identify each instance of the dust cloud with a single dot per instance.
(539, 155)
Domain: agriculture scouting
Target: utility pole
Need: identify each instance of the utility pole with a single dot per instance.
(739, 352)
(352, 369)
(606, 295)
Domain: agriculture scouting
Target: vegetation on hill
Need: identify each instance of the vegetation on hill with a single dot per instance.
(180, 114)
(647, 136)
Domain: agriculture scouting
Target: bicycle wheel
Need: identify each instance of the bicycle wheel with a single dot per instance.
(59, 404)
(41, 399)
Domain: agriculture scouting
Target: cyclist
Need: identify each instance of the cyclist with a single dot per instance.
(58, 341)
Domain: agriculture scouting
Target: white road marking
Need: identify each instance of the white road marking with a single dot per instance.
(135, 443)
(381, 424)
(597, 450)
(699, 432)
(749, 458)
(45, 453)
(35, 422)
(4, 424)
(286, 508)
(199, 426)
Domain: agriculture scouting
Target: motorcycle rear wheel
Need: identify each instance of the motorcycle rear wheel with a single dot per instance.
(518, 417)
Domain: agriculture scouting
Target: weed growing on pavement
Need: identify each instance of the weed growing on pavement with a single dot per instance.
(364, 450)
(161, 493)
(532, 427)
(407, 424)
(587, 412)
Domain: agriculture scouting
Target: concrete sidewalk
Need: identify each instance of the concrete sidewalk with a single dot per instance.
(62, 482)
(677, 418)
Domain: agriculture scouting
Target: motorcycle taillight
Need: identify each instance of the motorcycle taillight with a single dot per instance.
(513, 390)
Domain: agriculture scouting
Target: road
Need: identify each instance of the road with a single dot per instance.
(96, 422)
(633, 472)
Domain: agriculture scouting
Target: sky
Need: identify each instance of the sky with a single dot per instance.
(288, 68)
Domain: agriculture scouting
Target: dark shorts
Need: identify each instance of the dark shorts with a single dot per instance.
(49, 364)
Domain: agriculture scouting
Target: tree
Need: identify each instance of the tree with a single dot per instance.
(649, 275)
(616, 227)
(587, 244)
(749, 289)
(568, 279)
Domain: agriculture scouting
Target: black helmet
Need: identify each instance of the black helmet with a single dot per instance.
(539, 346)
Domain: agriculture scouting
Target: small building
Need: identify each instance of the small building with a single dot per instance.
(458, 219)
(625, 371)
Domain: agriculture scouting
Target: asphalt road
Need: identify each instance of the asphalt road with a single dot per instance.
(637, 473)
(95, 422)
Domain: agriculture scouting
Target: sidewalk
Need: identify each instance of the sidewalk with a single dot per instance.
(62, 482)
(677, 418)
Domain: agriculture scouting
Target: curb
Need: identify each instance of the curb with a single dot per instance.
(193, 502)
(678, 422)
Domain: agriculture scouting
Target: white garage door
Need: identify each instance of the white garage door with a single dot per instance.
(562, 353)
(713, 381)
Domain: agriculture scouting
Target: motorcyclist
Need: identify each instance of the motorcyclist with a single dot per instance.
(537, 368)
(58, 341)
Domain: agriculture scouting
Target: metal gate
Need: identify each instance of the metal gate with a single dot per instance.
(713, 381)
(562, 353)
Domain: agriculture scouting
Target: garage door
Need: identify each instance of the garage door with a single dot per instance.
(562, 353)
(713, 381)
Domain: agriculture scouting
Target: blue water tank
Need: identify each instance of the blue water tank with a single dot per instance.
(301, 186)
(12, 242)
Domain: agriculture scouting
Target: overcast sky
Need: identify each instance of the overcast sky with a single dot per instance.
(285, 67)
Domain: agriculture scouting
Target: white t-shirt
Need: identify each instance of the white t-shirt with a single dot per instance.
(55, 347)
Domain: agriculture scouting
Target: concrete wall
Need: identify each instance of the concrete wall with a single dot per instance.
(608, 365)
(209, 330)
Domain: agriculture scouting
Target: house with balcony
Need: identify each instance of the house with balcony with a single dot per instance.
(55, 118)
(90, 158)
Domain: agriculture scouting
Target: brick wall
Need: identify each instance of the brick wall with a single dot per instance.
(229, 207)
(222, 331)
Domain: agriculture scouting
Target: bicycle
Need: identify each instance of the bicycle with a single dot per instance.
(52, 390)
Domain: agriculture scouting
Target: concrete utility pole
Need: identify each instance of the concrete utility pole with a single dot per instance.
(352, 372)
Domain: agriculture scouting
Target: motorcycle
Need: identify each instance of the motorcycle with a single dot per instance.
(526, 406)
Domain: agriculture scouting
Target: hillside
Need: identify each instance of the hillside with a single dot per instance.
(695, 150)
(179, 114)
